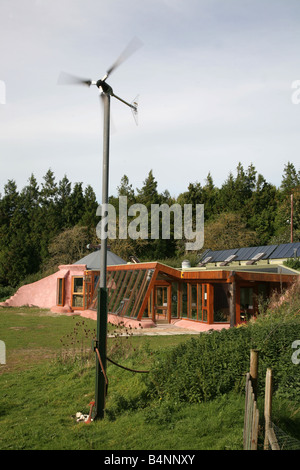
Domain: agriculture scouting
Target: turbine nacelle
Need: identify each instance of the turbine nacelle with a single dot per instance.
(102, 85)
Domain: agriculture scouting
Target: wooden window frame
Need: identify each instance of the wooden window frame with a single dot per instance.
(78, 294)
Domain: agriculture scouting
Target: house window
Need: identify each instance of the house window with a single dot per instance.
(77, 291)
(174, 303)
(246, 301)
(183, 309)
(193, 302)
(221, 303)
(60, 292)
(203, 302)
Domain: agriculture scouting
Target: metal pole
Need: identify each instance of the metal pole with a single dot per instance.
(100, 392)
(232, 301)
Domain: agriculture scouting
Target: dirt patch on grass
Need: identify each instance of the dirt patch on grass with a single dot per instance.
(38, 313)
(24, 358)
(18, 328)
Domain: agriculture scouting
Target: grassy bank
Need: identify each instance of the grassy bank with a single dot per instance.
(193, 398)
(48, 378)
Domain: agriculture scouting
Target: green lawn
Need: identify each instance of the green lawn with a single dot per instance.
(50, 375)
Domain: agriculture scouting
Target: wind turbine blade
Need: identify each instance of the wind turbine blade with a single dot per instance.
(132, 47)
(68, 79)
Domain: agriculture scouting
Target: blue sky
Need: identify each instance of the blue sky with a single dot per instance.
(214, 79)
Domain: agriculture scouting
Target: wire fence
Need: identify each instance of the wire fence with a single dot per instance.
(284, 441)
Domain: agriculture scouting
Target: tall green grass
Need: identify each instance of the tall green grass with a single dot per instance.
(193, 397)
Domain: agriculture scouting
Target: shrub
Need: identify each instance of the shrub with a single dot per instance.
(6, 292)
(216, 363)
(202, 367)
(293, 263)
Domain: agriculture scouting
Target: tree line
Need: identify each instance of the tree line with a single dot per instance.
(44, 226)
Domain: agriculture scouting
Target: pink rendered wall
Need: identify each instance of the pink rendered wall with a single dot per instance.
(42, 293)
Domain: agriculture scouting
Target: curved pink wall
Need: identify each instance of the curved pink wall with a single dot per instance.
(42, 293)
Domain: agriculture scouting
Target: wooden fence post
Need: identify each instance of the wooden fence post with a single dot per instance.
(270, 437)
(268, 406)
(251, 417)
(246, 411)
(254, 370)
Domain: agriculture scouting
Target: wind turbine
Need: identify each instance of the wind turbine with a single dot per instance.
(106, 93)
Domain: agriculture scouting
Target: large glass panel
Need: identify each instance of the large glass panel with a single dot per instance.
(134, 296)
(144, 288)
(115, 299)
(221, 303)
(77, 291)
(193, 300)
(120, 306)
(60, 291)
(129, 293)
(77, 300)
(200, 302)
(123, 286)
(127, 289)
(114, 288)
(262, 295)
(183, 306)
(78, 284)
(174, 304)
(161, 303)
(205, 295)
(159, 296)
(246, 302)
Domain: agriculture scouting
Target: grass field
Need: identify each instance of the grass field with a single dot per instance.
(50, 375)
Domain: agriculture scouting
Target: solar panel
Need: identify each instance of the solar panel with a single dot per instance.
(226, 254)
(286, 250)
(244, 254)
(221, 255)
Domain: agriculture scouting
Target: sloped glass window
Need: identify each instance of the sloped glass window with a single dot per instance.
(126, 291)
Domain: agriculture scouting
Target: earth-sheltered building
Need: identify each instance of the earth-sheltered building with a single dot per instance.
(223, 290)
